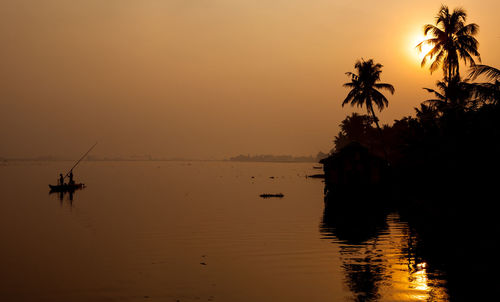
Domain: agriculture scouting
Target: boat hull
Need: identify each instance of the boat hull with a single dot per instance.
(66, 187)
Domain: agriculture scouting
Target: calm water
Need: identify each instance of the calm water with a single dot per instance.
(195, 231)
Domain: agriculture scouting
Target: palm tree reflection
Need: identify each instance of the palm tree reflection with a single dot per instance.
(381, 256)
(357, 232)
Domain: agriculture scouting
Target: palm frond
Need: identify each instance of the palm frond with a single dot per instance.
(437, 94)
(380, 100)
(436, 104)
(468, 30)
(352, 75)
(491, 73)
(428, 27)
(350, 96)
(386, 86)
(438, 61)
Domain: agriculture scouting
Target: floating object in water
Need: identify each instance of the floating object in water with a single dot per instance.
(268, 195)
(66, 187)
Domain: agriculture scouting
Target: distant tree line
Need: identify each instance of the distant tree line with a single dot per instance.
(278, 158)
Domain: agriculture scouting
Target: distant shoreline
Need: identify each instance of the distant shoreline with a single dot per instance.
(272, 161)
(239, 158)
(7, 160)
(277, 158)
(97, 160)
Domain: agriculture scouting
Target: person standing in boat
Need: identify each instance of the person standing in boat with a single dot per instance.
(61, 179)
(71, 181)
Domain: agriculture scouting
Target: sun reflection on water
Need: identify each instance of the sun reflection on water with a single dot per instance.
(418, 281)
(413, 279)
(388, 268)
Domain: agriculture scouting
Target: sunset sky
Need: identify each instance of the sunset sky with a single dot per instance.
(205, 79)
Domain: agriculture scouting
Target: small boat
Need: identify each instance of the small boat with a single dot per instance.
(66, 187)
(71, 186)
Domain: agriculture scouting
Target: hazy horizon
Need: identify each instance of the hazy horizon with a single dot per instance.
(204, 79)
(149, 157)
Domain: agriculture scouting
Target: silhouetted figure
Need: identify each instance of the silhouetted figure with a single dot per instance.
(61, 179)
(71, 181)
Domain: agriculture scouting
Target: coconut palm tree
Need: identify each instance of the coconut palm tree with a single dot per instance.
(487, 91)
(365, 88)
(439, 101)
(451, 40)
(427, 112)
(453, 94)
(490, 72)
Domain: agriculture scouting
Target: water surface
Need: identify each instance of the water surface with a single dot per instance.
(195, 231)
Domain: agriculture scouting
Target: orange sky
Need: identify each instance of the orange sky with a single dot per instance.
(204, 78)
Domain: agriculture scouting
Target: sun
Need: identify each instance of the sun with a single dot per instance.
(419, 54)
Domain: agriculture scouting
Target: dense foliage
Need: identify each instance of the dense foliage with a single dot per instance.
(454, 138)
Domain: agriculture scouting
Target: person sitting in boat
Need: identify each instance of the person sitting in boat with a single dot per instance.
(61, 179)
(71, 181)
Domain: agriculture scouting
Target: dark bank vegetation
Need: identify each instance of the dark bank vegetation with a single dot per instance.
(451, 144)
(439, 167)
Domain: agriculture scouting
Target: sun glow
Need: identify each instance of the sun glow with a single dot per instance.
(419, 54)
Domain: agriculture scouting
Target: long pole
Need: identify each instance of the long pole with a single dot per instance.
(80, 160)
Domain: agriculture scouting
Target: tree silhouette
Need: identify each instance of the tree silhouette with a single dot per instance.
(365, 88)
(454, 94)
(487, 91)
(452, 39)
(491, 73)
(355, 128)
(426, 112)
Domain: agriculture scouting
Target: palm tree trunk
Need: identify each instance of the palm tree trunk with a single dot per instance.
(380, 132)
(449, 70)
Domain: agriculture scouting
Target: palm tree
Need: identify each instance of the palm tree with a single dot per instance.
(451, 94)
(365, 89)
(439, 101)
(491, 73)
(487, 91)
(452, 40)
(426, 112)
